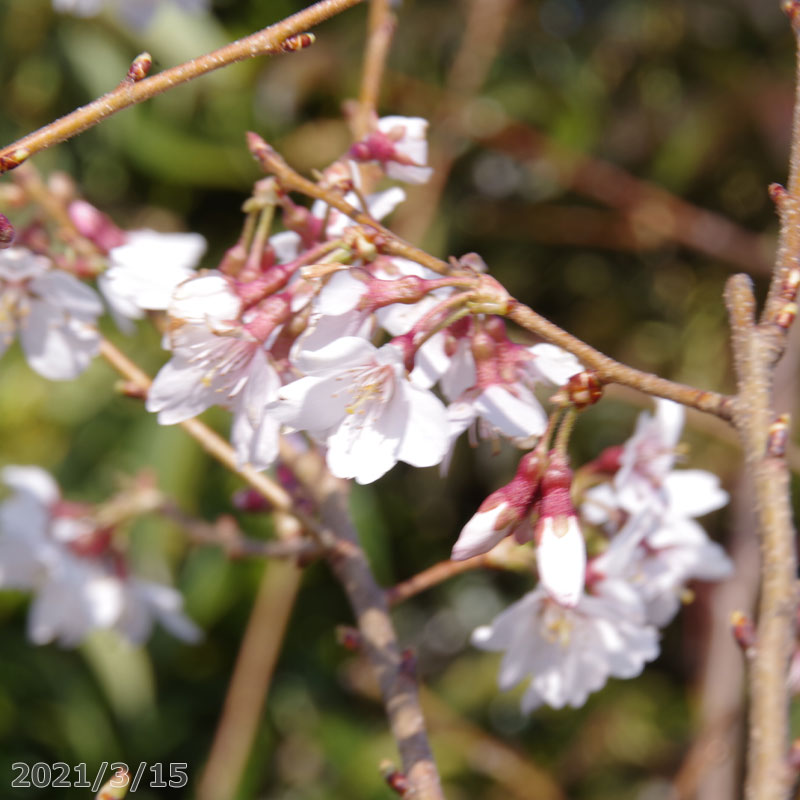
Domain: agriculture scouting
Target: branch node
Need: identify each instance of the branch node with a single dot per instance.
(792, 10)
(349, 638)
(139, 68)
(7, 232)
(298, 42)
(777, 436)
(744, 632)
(395, 779)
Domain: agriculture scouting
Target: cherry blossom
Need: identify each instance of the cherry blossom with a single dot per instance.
(217, 360)
(356, 399)
(569, 652)
(54, 314)
(55, 549)
(400, 146)
(498, 403)
(143, 272)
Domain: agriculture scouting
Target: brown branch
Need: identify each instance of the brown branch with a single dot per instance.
(515, 772)
(436, 574)
(611, 371)
(381, 26)
(379, 640)
(226, 534)
(608, 370)
(347, 560)
(768, 775)
(130, 91)
(252, 675)
(273, 163)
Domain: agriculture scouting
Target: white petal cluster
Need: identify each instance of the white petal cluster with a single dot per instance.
(143, 273)
(75, 592)
(215, 361)
(569, 652)
(649, 510)
(356, 399)
(567, 640)
(52, 312)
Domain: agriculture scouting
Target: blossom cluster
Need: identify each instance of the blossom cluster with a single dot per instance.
(315, 329)
(61, 552)
(588, 620)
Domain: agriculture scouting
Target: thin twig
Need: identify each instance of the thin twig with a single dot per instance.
(252, 675)
(610, 371)
(225, 533)
(436, 574)
(130, 91)
(381, 26)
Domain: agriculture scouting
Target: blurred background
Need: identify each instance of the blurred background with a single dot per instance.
(563, 133)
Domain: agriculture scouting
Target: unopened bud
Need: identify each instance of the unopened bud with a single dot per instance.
(583, 389)
(94, 225)
(777, 436)
(777, 193)
(251, 501)
(785, 316)
(348, 637)
(790, 284)
(395, 779)
(7, 233)
(792, 10)
(14, 159)
(408, 663)
(298, 42)
(744, 632)
(117, 787)
(139, 67)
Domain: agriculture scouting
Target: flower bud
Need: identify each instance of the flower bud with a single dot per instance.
(502, 512)
(95, 225)
(7, 233)
(584, 389)
(561, 550)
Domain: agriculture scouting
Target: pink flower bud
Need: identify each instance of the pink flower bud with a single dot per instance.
(7, 233)
(95, 226)
(561, 551)
(502, 511)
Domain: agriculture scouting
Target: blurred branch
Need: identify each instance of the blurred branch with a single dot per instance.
(398, 685)
(485, 28)
(348, 562)
(226, 534)
(515, 772)
(434, 575)
(381, 27)
(136, 88)
(648, 213)
(252, 674)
